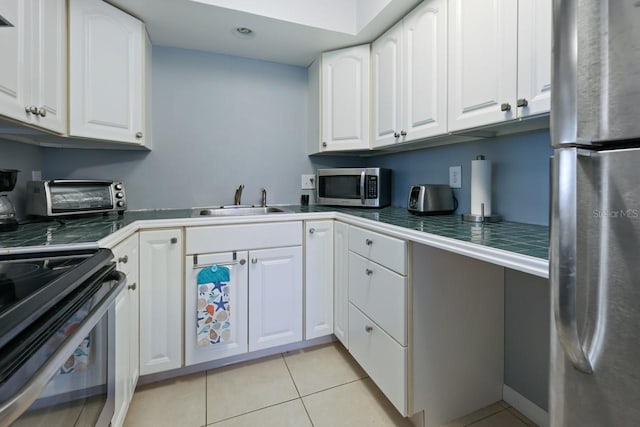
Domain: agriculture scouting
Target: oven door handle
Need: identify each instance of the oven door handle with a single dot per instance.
(22, 400)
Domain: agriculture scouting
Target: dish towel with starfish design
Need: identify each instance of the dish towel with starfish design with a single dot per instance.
(213, 312)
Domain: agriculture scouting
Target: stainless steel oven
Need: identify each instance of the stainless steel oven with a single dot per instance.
(57, 338)
(362, 187)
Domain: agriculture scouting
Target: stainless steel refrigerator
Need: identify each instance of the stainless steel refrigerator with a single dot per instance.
(595, 214)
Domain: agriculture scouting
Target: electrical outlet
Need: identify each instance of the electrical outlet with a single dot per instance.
(36, 175)
(455, 176)
(308, 182)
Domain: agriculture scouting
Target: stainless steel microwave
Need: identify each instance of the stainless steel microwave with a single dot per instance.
(363, 187)
(61, 197)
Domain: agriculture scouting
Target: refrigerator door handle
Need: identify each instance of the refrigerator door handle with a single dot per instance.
(563, 255)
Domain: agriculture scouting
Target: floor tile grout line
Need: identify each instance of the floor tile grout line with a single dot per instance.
(335, 386)
(486, 416)
(307, 411)
(254, 410)
(293, 380)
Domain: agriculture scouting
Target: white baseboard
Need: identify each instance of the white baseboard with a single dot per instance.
(525, 406)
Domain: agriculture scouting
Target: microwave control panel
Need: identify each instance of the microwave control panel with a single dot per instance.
(371, 187)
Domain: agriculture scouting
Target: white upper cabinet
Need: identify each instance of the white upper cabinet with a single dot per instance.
(425, 71)
(345, 99)
(482, 62)
(534, 57)
(106, 62)
(34, 75)
(387, 87)
(409, 77)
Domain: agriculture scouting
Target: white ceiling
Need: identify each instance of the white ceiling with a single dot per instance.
(286, 31)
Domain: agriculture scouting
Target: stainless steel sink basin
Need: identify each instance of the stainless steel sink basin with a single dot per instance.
(237, 211)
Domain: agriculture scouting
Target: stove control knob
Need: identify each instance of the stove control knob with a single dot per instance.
(119, 195)
(118, 187)
(120, 204)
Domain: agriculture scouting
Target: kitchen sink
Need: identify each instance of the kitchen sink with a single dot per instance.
(237, 211)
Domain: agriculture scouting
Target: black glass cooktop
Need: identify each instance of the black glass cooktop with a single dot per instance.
(32, 283)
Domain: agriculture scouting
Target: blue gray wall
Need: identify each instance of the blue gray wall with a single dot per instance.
(520, 173)
(218, 121)
(26, 158)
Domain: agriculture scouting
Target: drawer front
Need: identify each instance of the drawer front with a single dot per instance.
(387, 251)
(379, 293)
(380, 356)
(125, 254)
(225, 238)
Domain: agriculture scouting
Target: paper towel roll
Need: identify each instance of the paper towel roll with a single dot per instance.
(481, 187)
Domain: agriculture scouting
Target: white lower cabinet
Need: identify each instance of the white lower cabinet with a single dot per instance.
(160, 300)
(380, 356)
(259, 305)
(215, 317)
(275, 297)
(341, 282)
(318, 279)
(127, 308)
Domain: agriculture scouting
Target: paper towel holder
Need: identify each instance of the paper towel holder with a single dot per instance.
(481, 218)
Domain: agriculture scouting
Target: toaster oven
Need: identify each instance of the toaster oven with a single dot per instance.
(62, 197)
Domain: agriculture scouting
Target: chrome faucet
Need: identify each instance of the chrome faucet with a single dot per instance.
(264, 198)
(238, 196)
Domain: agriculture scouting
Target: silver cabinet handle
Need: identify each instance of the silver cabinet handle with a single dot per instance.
(369, 242)
(124, 259)
(522, 102)
(403, 132)
(505, 107)
(396, 135)
(132, 287)
(42, 112)
(139, 135)
(254, 260)
(242, 261)
(324, 144)
(368, 329)
(564, 250)
(32, 109)
(369, 272)
(312, 230)
(174, 240)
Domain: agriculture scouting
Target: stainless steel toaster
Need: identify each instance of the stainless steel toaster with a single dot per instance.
(431, 199)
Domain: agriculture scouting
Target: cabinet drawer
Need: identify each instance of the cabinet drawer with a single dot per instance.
(381, 294)
(125, 254)
(225, 238)
(385, 250)
(380, 356)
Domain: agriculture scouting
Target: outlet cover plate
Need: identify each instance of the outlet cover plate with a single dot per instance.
(308, 182)
(455, 176)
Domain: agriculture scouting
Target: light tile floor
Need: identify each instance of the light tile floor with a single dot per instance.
(316, 387)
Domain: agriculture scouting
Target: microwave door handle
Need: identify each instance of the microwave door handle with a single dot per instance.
(362, 176)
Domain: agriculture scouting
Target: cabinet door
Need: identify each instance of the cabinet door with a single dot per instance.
(387, 87)
(122, 387)
(216, 314)
(318, 279)
(275, 297)
(49, 80)
(482, 61)
(345, 99)
(105, 72)
(425, 71)
(15, 52)
(160, 300)
(534, 57)
(133, 280)
(341, 282)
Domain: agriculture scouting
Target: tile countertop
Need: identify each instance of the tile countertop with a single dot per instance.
(510, 238)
